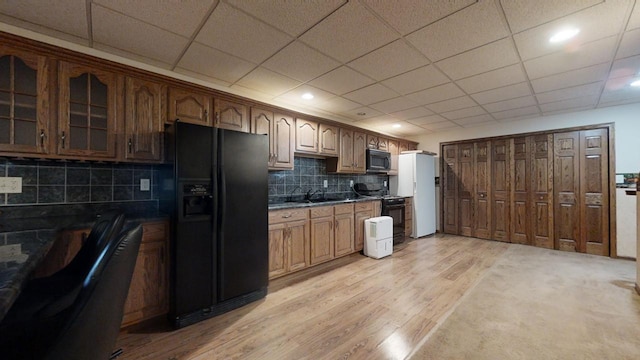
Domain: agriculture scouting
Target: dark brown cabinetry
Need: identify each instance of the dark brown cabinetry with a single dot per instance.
(87, 111)
(144, 116)
(24, 102)
(189, 106)
(281, 131)
(549, 190)
(231, 115)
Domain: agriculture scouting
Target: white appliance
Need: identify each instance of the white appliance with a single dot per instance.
(378, 237)
(416, 178)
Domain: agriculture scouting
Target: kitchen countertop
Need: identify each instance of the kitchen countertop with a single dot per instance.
(297, 204)
(25, 242)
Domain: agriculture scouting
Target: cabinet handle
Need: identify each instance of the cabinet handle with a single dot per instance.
(286, 216)
(63, 138)
(130, 145)
(217, 117)
(41, 137)
(206, 115)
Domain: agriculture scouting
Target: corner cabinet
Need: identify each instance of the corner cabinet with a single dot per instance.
(281, 131)
(24, 102)
(189, 106)
(143, 120)
(87, 111)
(231, 115)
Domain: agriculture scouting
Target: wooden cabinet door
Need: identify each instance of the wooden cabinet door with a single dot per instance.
(408, 216)
(466, 189)
(231, 115)
(449, 189)
(277, 249)
(594, 192)
(143, 121)
(372, 141)
(393, 150)
(482, 184)
(383, 144)
(346, 162)
(87, 111)
(360, 217)
(322, 239)
(24, 102)
(344, 234)
(499, 187)
(520, 191)
(283, 140)
(403, 146)
(262, 122)
(566, 190)
(359, 152)
(190, 107)
(542, 213)
(328, 140)
(306, 135)
(412, 146)
(298, 245)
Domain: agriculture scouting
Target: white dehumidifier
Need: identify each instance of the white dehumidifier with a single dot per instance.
(378, 237)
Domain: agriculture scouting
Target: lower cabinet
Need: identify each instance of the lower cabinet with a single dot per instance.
(408, 216)
(148, 292)
(322, 236)
(344, 229)
(363, 211)
(62, 252)
(288, 241)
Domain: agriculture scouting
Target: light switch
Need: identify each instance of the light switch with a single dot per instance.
(145, 185)
(325, 183)
(10, 185)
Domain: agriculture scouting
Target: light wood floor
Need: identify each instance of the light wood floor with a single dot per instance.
(351, 308)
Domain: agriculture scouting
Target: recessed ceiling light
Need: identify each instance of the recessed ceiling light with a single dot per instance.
(635, 83)
(564, 35)
(361, 114)
(307, 96)
(397, 125)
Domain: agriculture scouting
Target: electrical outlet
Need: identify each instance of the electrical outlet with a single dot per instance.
(145, 185)
(384, 183)
(10, 185)
(350, 183)
(325, 183)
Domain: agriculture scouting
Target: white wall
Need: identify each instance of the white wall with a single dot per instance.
(627, 147)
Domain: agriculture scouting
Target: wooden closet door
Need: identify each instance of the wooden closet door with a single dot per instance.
(465, 189)
(542, 218)
(482, 201)
(499, 196)
(594, 192)
(566, 190)
(520, 196)
(450, 189)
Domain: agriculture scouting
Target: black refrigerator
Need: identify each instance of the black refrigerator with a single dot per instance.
(215, 187)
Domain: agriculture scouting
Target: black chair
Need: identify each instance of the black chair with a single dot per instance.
(48, 295)
(89, 328)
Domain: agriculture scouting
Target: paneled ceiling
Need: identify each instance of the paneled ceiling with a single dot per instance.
(427, 66)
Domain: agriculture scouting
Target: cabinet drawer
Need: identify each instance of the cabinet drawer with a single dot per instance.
(154, 231)
(321, 211)
(344, 209)
(279, 216)
(364, 206)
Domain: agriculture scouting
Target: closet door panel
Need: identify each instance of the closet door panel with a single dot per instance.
(450, 189)
(542, 191)
(594, 192)
(500, 215)
(482, 201)
(566, 190)
(520, 191)
(466, 189)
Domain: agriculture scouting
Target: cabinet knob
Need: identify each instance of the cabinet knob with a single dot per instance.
(41, 137)
(206, 115)
(130, 143)
(63, 137)
(286, 216)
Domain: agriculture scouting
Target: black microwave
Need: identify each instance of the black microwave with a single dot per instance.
(378, 161)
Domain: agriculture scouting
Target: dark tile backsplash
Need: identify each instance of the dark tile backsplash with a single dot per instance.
(56, 182)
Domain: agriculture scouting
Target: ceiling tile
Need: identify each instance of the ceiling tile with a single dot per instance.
(625, 67)
(570, 92)
(131, 35)
(488, 57)
(634, 20)
(412, 113)
(389, 60)
(474, 26)
(268, 82)
(434, 94)
(452, 104)
(618, 89)
(209, 80)
(630, 44)
(136, 57)
(341, 80)
(418, 79)
(571, 78)
(493, 79)
(445, 125)
(405, 129)
(475, 121)
(595, 23)
(427, 120)
(294, 96)
(67, 17)
(510, 104)
(516, 113)
(292, 17)
(414, 14)
(571, 110)
(503, 93)
(238, 34)
(211, 62)
(371, 94)
(356, 113)
(338, 104)
(179, 17)
(300, 62)
(524, 14)
(580, 102)
(588, 54)
(618, 83)
(464, 113)
(379, 121)
(393, 105)
(348, 33)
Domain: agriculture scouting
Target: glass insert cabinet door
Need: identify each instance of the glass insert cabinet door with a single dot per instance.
(24, 102)
(86, 123)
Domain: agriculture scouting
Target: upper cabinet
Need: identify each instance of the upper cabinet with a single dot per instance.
(328, 140)
(87, 111)
(281, 131)
(306, 136)
(377, 142)
(352, 154)
(24, 102)
(393, 149)
(144, 117)
(231, 115)
(189, 106)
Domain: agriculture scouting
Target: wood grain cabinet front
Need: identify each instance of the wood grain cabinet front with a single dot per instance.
(144, 116)
(231, 115)
(281, 130)
(189, 106)
(352, 158)
(288, 241)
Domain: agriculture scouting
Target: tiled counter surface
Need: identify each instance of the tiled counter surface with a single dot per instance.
(24, 243)
(294, 205)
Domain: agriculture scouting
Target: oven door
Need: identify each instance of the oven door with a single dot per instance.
(397, 214)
